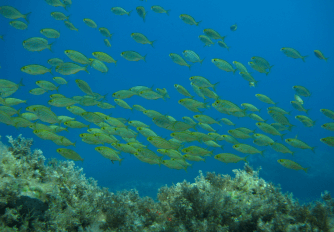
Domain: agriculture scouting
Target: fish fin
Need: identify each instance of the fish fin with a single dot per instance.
(215, 85)
(152, 43)
(303, 58)
(86, 69)
(313, 148)
(50, 46)
(26, 17)
(282, 136)
(307, 111)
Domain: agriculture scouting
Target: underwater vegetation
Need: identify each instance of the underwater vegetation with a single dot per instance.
(56, 196)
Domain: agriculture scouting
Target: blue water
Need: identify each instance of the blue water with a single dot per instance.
(263, 28)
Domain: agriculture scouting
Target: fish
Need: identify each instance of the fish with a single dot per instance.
(36, 69)
(280, 118)
(328, 126)
(197, 151)
(192, 56)
(213, 34)
(109, 153)
(206, 40)
(299, 106)
(280, 148)
(139, 108)
(70, 25)
(159, 142)
(150, 95)
(291, 165)
(55, 62)
(239, 134)
(269, 129)
(179, 60)
(193, 158)
(122, 104)
(75, 110)
(104, 57)
(222, 44)
(105, 32)
(107, 43)
(120, 11)
(123, 94)
(59, 16)
(223, 65)
(302, 91)
(328, 113)
(36, 44)
(298, 99)
(234, 27)
(293, 53)
(206, 127)
(142, 39)
(328, 140)
(62, 102)
(189, 19)
(230, 158)
(205, 119)
(173, 164)
(256, 117)
(46, 135)
(69, 68)
(240, 66)
(250, 107)
(133, 56)
(159, 9)
(163, 92)
(99, 65)
(262, 140)
(141, 12)
(265, 99)
(226, 121)
(50, 33)
(12, 13)
(56, 3)
(299, 144)
(146, 132)
(60, 80)
(69, 154)
(248, 149)
(258, 68)
(262, 62)
(203, 82)
(77, 57)
(18, 25)
(90, 23)
(319, 55)
(278, 109)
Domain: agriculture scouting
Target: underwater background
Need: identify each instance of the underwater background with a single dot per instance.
(263, 29)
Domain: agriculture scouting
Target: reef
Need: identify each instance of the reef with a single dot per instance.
(53, 195)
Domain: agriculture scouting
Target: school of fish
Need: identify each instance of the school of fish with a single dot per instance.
(113, 136)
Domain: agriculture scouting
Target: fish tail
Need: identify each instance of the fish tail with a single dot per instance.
(271, 67)
(26, 17)
(50, 46)
(326, 58)
(313, 149)
(50, 71)
(223, 37)
(68, 17)
(235, 71)
(198, 23)
(189, 66)
(144, 58)
(120, 161)
(129, 13)
(86, 69)
(306, 169)
(282, 136)
(307, 111)
(3, 37)
(167, 12)
(261, 152)
(202, 61)
(245, 159)
(215, 85)
(152, 43)
(303, 58)
(21, 83)
(275, 103)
